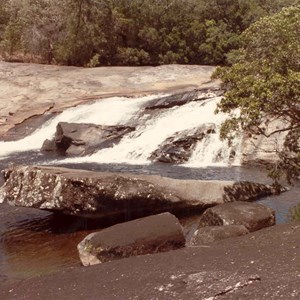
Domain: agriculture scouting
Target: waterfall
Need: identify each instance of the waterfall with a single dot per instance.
(152, 129)
(110, 111)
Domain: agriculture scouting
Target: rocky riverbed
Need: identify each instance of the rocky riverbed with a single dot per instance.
(219, 258)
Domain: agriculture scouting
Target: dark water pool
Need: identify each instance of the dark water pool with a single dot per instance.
(34, 242)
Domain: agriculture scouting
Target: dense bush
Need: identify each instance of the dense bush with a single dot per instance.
(127, 32)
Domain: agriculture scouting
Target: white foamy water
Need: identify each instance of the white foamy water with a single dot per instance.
(110, 111)
(211, 151)
(136, 147)
(152, 130)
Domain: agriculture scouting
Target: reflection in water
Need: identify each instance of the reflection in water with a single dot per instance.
(33, 242)
(36, 242)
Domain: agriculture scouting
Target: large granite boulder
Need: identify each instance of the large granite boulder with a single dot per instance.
(179, 148)
(100, 194)
(78, 139)
(253, 216)
(159, 233)
(209, 234)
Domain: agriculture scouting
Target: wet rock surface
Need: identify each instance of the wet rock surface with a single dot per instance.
(184, 98)
(104, 194)
(209, 234)
(79, 139)
(159, 233)
(244, 267)
(253, 216)
(179, 148)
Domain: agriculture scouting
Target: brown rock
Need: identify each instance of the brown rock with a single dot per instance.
(148, 235)
(253, 216)
(209, 234)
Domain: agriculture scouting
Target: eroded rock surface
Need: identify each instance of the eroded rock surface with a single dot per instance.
(100, 194)
(253, 216)
(74, 139)
(179, 148)
(210, 234)
(159, 233)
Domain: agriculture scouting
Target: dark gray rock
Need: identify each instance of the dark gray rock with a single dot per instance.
(159, 233)
(183, 98)
(179, 148)
(260, 265)
(104, 194)
(253, 216)
(209, 234)
(74, 139)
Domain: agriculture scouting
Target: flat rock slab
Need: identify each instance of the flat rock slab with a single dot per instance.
(32, 89)
(209, 234)
(102, 194)
(253, 216)
(261, 265)
(159, 233)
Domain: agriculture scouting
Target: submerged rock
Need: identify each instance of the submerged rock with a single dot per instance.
(159, 233)
(81, 139)
(253, 216)
(179, 148)
(210, 234)
(101, 194)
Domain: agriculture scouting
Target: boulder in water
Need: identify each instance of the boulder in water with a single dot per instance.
(253, 216)
(74, 139)
(104, 194)
(159, 233)
(179, 148)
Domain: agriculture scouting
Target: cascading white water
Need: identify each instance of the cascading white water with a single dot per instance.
(152, 130)
(110, 111)
(136, 147)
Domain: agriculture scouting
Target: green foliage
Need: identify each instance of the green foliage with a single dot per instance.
(133, 56)
(264, 84)
(127, 32)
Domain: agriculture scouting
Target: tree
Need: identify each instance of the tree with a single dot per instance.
(264, 84)
(127, 32)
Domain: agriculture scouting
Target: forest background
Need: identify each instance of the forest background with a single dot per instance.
(127, 32)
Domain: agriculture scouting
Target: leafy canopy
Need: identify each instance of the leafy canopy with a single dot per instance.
(127, 32)
(264, 84)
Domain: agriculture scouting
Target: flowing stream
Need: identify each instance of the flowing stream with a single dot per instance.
(152, 129)
(35, 242)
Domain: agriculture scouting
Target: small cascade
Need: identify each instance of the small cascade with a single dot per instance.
(211, 151)
(110, 111)
(137, 147)
(153, 128)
